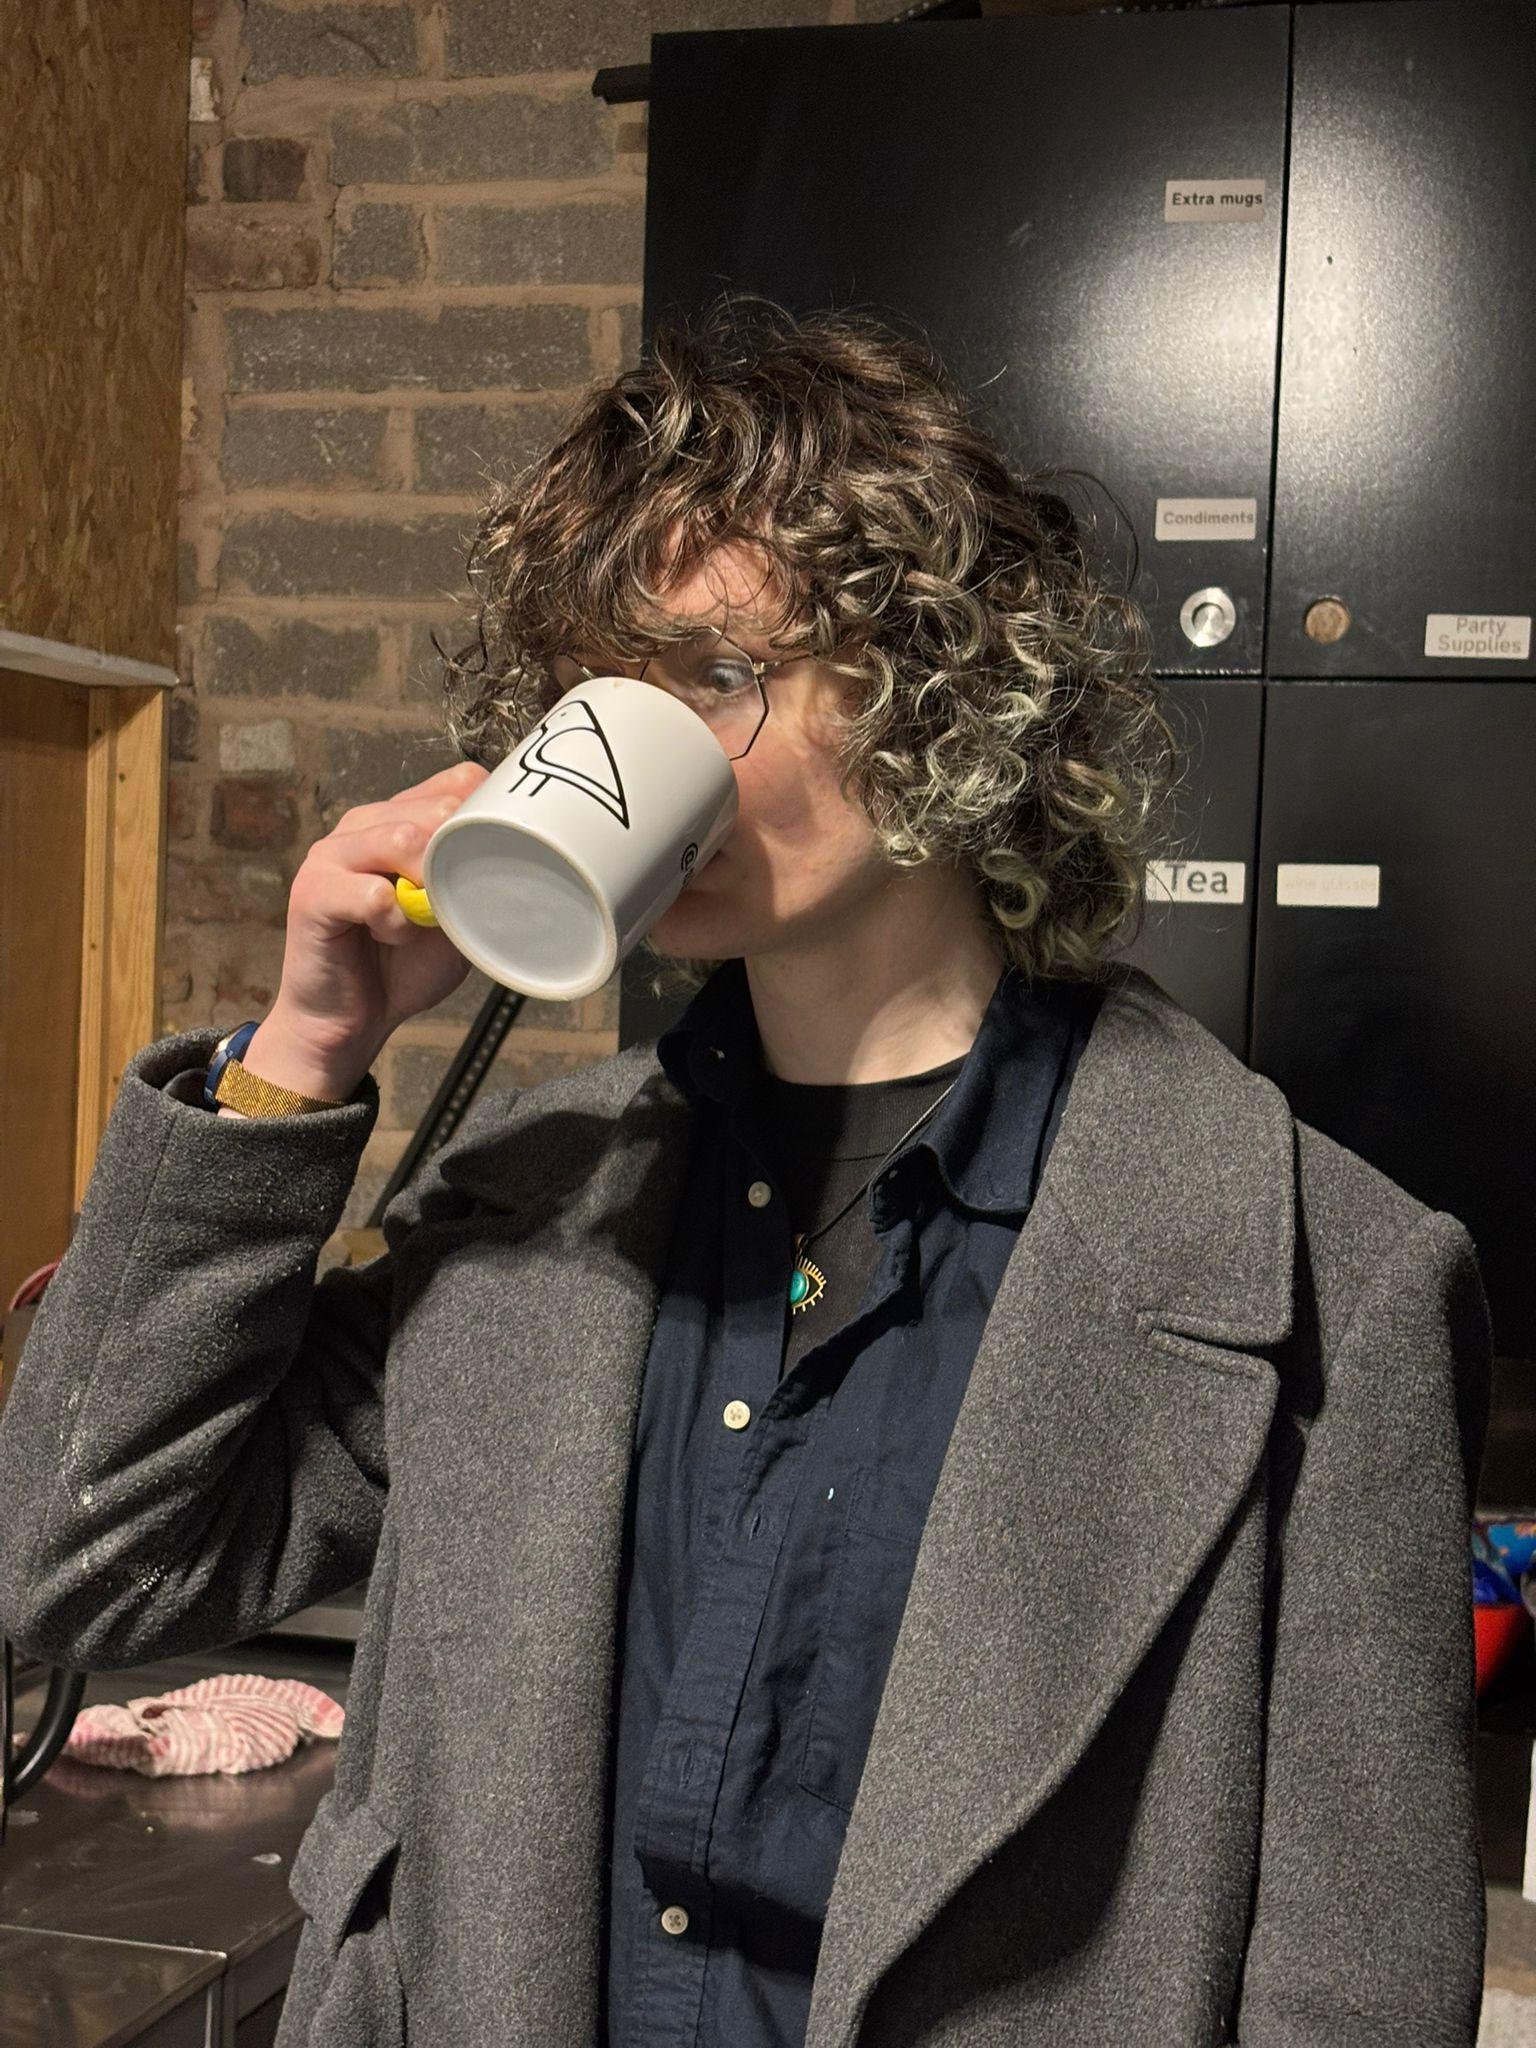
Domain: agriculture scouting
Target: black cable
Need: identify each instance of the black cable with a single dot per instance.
(456, 1091)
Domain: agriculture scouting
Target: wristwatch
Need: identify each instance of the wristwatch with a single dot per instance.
(227, 1081)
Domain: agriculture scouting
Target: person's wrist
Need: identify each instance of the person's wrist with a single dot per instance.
(280, 1054)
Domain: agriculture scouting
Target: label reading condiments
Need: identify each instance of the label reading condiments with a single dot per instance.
(1320, 884)
(1206, 519)
(1213, 199)
(1196, 881)
(1478, 636)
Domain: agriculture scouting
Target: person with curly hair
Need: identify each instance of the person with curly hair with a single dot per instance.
(920, 1505)
(818, 490)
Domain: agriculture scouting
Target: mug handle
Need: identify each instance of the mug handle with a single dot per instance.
(413, 900)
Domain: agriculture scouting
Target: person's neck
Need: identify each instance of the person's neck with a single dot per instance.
(877, 1005)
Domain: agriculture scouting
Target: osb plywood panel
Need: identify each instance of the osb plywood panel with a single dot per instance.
(124, 902)
(43, 754)
(93, 136)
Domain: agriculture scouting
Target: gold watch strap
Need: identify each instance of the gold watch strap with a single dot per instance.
(252, 1096)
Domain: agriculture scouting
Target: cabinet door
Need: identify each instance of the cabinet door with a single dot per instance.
(1405, 473)
(1395, 960)
(1004, 184)
(1197, 938)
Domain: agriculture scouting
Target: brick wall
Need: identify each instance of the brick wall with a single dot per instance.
(414, 239)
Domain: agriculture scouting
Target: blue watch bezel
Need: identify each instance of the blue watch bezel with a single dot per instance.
(229, 1048)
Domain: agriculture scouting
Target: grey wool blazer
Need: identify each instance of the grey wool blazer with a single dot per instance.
(1176, 1743)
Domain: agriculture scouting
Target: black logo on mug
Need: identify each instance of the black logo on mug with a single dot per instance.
(690, 855)
(570, 746)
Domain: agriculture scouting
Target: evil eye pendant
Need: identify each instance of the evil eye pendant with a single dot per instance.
(805, 1284)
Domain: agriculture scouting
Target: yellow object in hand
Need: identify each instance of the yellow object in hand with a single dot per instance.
(413, 901)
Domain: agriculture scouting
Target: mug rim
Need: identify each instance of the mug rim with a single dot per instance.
(473, 952)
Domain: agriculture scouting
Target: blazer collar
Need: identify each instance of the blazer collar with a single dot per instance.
(1006, 1086)
(1173, 1160)
(1175, 1163)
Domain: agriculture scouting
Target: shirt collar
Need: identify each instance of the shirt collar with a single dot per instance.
(985, 1137)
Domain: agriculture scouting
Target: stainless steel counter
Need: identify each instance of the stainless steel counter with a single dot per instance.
(156, 1911)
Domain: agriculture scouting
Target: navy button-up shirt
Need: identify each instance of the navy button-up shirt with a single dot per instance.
(783, 1467)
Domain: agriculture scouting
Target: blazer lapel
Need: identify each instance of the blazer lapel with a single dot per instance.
(1112, 1424)
(586, 1181)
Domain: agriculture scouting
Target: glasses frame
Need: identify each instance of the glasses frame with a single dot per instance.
(760, 669)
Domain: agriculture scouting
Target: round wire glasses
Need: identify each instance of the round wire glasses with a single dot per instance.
(710, 674)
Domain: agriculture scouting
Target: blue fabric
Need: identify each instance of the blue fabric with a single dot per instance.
(766, 1567)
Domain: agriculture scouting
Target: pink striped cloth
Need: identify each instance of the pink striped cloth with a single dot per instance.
(234, 1721)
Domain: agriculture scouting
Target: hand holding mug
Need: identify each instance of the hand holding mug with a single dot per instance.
(354, 965)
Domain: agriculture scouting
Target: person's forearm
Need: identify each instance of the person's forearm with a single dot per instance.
(192, 1444)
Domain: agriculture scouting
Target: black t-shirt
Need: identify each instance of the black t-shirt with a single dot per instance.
(824, 1142)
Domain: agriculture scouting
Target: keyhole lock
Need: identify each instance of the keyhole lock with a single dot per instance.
(1327, 620)
(1207, 616)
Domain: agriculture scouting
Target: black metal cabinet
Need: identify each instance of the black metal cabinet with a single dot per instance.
(1405, 472)
(1349, 366)
(1395, 974)
(1004, 184)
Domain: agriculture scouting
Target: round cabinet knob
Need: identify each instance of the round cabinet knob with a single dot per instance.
(1207, 616)
(1327, 620)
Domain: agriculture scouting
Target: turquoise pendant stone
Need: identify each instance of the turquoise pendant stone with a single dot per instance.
(799, 1287)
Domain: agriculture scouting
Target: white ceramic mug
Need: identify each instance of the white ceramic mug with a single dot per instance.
(570, 850)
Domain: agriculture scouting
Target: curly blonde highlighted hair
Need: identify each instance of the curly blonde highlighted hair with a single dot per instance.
(1005, 717)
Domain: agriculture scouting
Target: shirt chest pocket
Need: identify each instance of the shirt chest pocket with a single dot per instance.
(866, 1594)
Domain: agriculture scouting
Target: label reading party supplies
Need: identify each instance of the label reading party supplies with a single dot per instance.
(1478, 636)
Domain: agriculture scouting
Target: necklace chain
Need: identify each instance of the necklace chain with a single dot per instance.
(805, 1237)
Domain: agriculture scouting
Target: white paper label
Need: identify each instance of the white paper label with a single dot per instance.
(1478, 636)
(1196, 881)
(1322, 883)
(1206, 519)
(1213, 199)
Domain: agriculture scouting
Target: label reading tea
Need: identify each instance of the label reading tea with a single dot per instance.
(1196, 881)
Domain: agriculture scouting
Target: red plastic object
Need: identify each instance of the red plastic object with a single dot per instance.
(31, 1289)
(1498, 1631)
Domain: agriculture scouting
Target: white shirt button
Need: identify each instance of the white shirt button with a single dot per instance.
(759, 1193)
(737, 1414)
(674, 1919)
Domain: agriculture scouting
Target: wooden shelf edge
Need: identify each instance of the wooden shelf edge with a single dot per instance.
(59, 662)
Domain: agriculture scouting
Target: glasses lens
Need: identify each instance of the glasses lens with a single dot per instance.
(715, 679)
(708, 673)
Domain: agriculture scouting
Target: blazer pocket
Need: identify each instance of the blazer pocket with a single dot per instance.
(346, 1990)
(870, 1579)
(343, 1849)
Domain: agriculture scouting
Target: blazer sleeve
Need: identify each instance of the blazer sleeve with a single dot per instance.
(193, 1445)
(1369, 1916)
